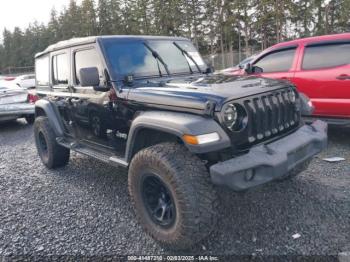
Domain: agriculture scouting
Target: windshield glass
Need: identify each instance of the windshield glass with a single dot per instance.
(132, 57)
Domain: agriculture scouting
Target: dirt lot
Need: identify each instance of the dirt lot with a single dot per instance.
(84, 208)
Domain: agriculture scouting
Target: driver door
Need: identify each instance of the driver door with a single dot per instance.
(92, 110)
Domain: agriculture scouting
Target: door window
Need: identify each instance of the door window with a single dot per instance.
(325, 56)
(87, 58)
(279, 61)
(60, 69)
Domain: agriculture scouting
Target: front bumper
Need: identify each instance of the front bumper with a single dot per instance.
(265, 163)
(16, 109)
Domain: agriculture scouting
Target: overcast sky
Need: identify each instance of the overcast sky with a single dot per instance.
(22, 12)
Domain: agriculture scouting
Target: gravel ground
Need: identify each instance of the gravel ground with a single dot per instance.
(84, 208)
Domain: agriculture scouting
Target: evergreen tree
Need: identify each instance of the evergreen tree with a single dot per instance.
(104, 17)
(118, 24)
(88, 18)
(215, 26)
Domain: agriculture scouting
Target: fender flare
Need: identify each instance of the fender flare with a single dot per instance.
(52, 114)
(177, 124)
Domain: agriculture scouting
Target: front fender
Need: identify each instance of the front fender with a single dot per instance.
(178, 124)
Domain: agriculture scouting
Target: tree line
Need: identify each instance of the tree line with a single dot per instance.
(215, 26)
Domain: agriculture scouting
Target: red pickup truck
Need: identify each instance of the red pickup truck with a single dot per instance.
(318, 66)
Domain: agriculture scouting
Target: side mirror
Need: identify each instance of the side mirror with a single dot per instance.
(252, 69)
(89, 77)
(248, 68)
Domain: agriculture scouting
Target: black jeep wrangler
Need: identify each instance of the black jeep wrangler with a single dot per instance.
(151, 105)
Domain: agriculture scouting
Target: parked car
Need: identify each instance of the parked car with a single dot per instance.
(25, 81)
(318, 66)
(150, 104)
(16, 103)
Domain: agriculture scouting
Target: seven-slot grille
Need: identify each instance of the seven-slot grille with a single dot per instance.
(270, 114)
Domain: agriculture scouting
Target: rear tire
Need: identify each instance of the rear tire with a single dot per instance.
(52, 154)
(167, 181)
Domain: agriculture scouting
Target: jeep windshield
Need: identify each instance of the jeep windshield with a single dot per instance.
(149, 58)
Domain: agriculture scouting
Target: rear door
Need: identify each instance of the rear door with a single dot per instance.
(324, 75)
(277, 64)
(60, 86)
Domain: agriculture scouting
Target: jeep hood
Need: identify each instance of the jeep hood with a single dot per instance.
(195, 91)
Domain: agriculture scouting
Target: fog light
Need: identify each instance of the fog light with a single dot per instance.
(249, 175)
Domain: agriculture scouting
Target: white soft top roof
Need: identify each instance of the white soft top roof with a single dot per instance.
(93, 39)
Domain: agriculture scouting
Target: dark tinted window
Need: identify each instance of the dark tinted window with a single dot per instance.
(279, 61)
(323, 56)
(87, 58)
(60, 69)
(134, 58)
(42, 71)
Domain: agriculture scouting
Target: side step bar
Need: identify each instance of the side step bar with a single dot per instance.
(99, 155)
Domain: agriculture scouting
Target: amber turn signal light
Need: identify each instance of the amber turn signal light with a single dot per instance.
(201, 139)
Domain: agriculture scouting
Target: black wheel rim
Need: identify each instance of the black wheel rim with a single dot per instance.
(158, 201)
(42, 143)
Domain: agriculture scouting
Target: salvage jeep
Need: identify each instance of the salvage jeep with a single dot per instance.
(152, 105)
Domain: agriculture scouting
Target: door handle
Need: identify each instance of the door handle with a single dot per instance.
(343, 77)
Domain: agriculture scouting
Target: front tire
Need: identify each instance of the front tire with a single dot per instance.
(172, 194)
(52, 154)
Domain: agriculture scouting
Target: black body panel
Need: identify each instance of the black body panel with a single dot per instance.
(195, 91)
(108, 118)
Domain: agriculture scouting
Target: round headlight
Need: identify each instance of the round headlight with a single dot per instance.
(230, 115)
(234, 117)
(292, 96)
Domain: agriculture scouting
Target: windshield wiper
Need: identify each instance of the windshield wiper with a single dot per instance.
(184, 52)
(158, 57)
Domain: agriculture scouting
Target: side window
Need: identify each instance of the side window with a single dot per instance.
(42, 71)
(324, 56)
(60, 69)
(279, 61)
(87, 58)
